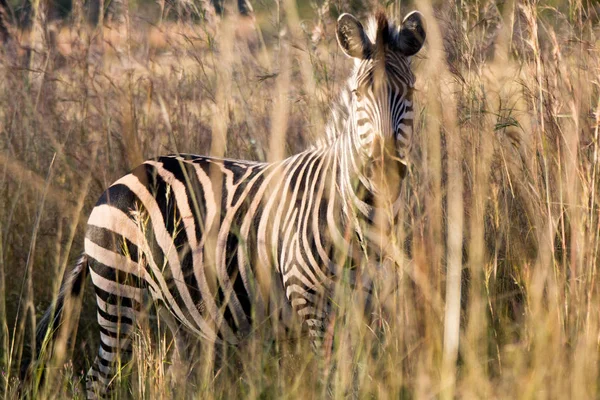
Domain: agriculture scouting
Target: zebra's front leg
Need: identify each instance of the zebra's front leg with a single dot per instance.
(314, 310)
(320, 330)
(319, 320)
(117, 303)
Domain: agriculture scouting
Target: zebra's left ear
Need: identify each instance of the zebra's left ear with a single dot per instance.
(411, 35)
(352, 38)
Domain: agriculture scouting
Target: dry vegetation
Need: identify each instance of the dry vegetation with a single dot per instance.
(500, 228)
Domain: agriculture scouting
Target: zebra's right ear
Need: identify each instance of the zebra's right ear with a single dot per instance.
(352, 38)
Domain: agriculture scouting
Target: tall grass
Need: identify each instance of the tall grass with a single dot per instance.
(490, 288)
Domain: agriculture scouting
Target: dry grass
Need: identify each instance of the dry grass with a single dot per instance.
(497, 290)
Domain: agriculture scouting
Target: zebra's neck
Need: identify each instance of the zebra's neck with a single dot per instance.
(368, 182)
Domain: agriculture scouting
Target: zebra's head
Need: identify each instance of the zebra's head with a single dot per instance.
(382, 82)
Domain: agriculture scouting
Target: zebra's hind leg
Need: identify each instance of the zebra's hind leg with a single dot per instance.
(181, 360)
(118, 298)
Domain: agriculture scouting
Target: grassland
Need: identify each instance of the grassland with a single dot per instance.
(497, 291)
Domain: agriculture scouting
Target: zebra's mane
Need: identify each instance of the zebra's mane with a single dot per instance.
(377, 27)
(381, 26)
(340, 114)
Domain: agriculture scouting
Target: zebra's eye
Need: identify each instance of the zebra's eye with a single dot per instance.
(357, 94)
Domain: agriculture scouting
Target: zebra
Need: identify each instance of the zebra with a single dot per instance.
(224, 244)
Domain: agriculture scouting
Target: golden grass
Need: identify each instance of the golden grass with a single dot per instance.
(494, 288)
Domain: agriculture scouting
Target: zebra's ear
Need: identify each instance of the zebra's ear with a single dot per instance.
(352, 38)
(411, 35)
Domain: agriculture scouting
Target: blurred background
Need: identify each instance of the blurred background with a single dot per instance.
(502, 189)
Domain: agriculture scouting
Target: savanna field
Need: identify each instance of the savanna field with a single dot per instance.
(493, 291)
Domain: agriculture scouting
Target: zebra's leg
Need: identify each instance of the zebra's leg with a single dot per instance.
(314, 312)
(181, 361)
(118, 298)
(317, 315)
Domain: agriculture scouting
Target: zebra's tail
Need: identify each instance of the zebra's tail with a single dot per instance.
(72, 288)
(58, 314)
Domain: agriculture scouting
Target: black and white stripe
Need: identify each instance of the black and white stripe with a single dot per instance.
(225, 244)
